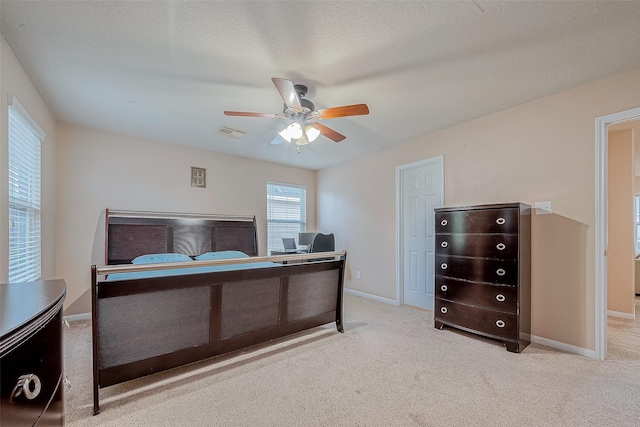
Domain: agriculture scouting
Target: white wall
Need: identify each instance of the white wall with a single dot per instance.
(13, 80)
(99, 170)
(542, 150)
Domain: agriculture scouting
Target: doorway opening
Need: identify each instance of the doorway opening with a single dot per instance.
(601, 214)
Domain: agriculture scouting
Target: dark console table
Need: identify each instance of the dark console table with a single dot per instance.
(31, 357)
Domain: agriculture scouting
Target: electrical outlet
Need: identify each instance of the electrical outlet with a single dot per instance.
(543, 208)
(358, 274)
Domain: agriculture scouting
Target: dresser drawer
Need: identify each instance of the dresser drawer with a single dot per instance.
(503, 220)
(502, 246)
(503, 298)
(494, 323)
(478, 269)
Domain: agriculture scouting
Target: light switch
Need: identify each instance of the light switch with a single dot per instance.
(543, 208)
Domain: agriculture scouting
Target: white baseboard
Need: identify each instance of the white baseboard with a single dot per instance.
(370, 296)
(568, 348)
(621, 314)
(80, 316)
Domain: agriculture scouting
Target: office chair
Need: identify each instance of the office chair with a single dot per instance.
(323, 243)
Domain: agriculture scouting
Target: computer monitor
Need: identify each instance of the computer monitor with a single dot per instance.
(306, 239)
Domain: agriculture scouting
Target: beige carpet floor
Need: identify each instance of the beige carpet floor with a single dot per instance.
(391, 367)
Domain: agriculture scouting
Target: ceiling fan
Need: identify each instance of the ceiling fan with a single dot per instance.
(304, 129)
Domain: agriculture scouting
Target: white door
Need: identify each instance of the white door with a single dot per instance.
(421, 188)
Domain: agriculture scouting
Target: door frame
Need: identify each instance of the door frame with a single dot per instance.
(601, 215)
(400, 170)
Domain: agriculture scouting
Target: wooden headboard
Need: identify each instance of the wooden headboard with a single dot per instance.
(130, 234)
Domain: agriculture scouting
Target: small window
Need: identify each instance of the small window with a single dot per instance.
(24, 158)
(286, 213)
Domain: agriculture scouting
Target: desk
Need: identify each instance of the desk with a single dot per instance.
(288, 252)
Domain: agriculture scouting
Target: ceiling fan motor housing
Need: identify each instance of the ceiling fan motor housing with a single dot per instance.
(301, 90)
(307, 106)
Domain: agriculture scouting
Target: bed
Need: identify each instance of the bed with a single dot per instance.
(178, 288)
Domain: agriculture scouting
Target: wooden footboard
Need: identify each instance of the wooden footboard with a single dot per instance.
(143, 326)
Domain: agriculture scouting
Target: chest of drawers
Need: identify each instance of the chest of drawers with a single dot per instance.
(483, 271)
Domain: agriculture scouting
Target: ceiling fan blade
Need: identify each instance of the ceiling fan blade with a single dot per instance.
(347, 110)
(287, 92)
(246, 114)
(328, 132)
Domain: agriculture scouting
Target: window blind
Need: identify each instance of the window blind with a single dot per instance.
(286, 213)
(24, 159)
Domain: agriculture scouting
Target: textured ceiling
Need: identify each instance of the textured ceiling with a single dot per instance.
(166, 70)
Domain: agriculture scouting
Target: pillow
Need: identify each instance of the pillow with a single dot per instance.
(221, 255)
(159, 258)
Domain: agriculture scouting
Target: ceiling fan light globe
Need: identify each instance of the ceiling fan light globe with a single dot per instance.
(303, 140)
(312, 133)
(295, 130)
(285, 134)
(285, 137)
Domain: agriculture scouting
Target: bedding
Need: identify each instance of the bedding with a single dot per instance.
(189, 265)
(221, 255)
(160, 258)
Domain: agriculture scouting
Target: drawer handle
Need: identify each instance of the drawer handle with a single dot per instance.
(443, 310)
(444, 266)
(444, 244)
(500, 246)
(500, 221)
(28, 384)
(500, 324)
(444, 222)
(500, 297)
(500, 272)
(444, 288)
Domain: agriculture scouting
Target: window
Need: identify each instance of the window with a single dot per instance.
(286, 213)
(25, 138)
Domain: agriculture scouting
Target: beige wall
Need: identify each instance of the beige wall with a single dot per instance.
(542, 150)
(99, 170)
(16, 82)
(621, 249)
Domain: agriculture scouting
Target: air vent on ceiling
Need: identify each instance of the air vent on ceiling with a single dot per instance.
(234, 133)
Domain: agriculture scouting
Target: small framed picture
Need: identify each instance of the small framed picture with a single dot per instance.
(198, 177)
